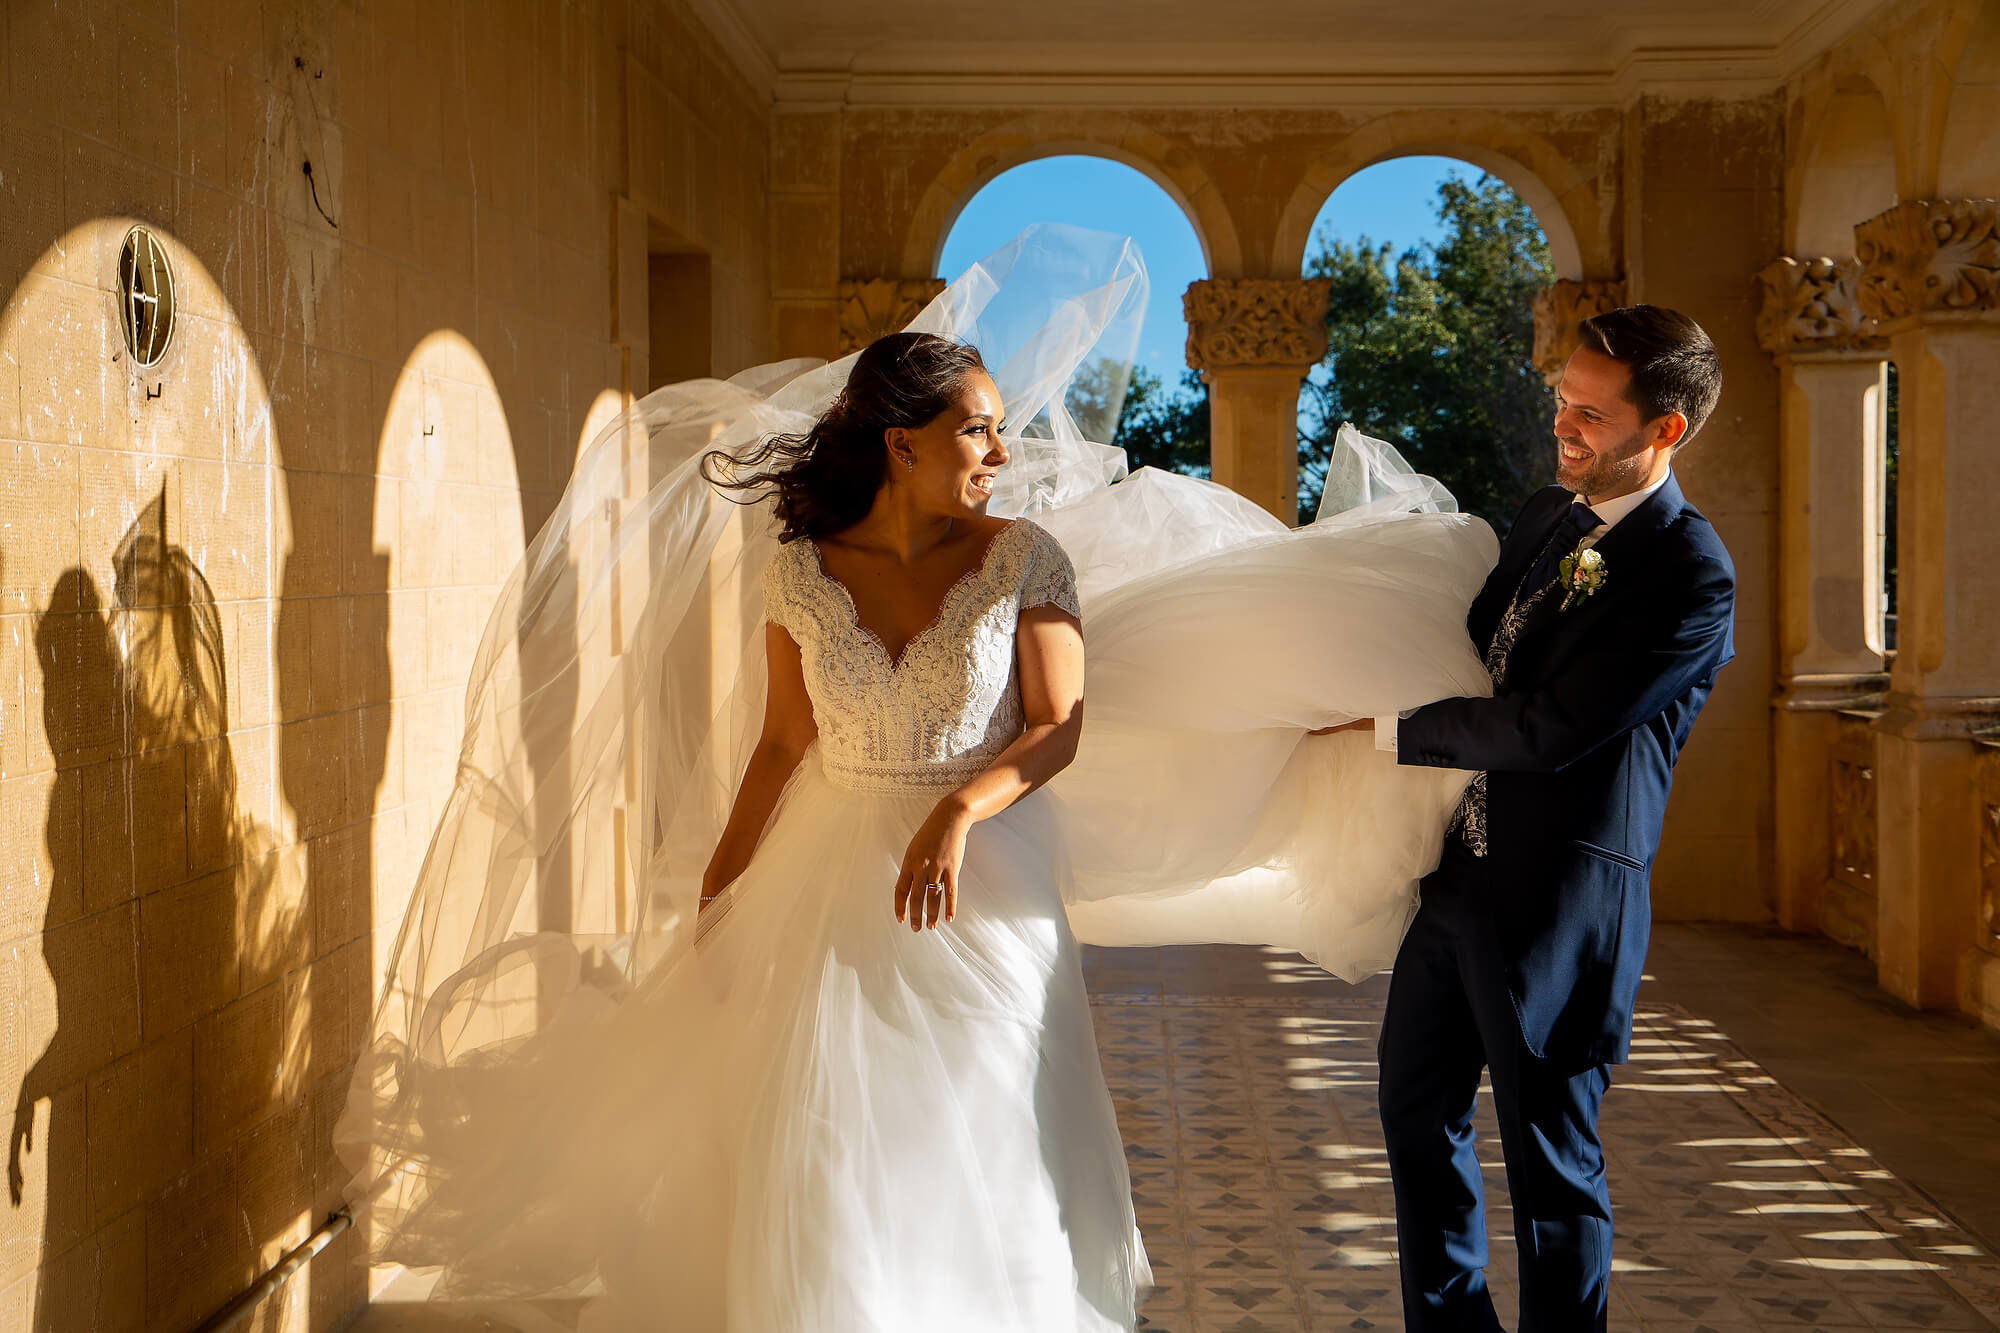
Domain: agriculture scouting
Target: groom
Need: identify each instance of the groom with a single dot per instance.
(1603, 625)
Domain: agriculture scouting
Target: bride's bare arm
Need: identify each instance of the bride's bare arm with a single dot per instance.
(1049, 649)
(788, 730)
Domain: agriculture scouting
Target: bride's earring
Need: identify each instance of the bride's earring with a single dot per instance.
(909, 465)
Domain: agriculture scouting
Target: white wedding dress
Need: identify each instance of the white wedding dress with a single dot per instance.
(790, 1114)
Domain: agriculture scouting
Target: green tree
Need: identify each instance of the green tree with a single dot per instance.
(1163, 428)
(1429, 350)
(1157, 427)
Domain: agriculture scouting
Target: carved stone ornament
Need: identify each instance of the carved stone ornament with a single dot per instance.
(1239, 322)
(872, 307)
(1930, 256)
(1811, 305)
(1559, 309)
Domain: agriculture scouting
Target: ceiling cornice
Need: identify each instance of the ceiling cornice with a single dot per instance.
(1662, 60)
(1137, 89)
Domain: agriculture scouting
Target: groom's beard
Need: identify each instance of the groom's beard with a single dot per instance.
(1613, 470)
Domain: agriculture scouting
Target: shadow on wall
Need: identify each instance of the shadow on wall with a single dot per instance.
(135, 698)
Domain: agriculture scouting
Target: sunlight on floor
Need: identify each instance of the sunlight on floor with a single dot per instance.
(1262, 1185)
(1263, 1192)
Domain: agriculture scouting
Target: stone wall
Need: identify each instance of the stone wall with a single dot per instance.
(1703, 213)
(239, 590)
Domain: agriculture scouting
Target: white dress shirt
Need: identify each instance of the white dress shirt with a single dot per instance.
(1608, 513)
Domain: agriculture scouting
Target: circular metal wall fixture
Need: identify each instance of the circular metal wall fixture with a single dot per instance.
(145, 297)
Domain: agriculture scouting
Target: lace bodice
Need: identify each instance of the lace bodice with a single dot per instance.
(940, 713)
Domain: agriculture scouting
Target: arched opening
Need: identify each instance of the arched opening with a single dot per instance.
(1053, 134)
(1160, 416)
(1434, 265)
(1567, 200)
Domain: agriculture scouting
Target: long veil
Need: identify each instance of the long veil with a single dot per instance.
(618, 691)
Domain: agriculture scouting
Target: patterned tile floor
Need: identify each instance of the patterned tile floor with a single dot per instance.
(1263, 1192)
(1791, 1187)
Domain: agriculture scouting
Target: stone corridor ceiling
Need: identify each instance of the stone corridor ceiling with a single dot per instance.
(1276, 50)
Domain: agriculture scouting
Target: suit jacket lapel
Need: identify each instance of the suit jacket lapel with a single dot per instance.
(1633, 531)
(1626, 541)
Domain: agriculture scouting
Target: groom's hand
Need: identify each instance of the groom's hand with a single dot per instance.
(1358, 724)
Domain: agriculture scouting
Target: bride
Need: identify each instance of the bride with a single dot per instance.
(740, 989)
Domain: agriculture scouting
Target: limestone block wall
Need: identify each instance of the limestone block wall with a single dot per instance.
(239, 591)
(1703, 211)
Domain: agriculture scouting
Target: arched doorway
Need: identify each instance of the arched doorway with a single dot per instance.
(1434, 264)
(1160, 416)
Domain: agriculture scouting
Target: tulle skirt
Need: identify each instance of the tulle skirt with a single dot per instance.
(818, 1119)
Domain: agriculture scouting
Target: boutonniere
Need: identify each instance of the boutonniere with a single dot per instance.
(1582, 572)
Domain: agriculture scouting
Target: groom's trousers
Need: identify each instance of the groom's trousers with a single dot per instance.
(1449, 1016)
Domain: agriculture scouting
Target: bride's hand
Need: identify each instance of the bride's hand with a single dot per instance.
(933, 859)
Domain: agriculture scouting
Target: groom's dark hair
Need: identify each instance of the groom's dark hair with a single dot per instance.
(1674, 364)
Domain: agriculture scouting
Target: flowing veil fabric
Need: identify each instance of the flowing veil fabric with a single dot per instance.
(619, 689)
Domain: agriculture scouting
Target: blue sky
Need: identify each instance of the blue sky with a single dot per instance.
(1394, 201)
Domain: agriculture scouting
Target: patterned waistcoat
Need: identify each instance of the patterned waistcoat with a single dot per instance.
(1469, 819)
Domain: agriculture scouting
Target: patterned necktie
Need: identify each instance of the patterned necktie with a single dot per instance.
(1577, 523)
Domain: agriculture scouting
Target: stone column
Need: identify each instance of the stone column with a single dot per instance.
(1558, 311)
(1254, 340)
(1830, 655)
(871, 307)
(1931, 277)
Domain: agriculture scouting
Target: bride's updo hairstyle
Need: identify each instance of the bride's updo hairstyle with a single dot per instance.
(825, 480)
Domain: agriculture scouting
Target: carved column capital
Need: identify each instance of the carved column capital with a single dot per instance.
(1929, 257)
(1241, 322)
(873, 307)
(1812, 305)
(1559, 309)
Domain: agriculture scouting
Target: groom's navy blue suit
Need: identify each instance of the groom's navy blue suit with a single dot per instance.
(1526, 960)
